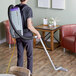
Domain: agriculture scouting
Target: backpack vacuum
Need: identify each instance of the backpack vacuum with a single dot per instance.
(16, 31)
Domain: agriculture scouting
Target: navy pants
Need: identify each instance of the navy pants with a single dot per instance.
(28, 44)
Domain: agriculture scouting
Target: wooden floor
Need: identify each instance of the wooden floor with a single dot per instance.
(41, 64)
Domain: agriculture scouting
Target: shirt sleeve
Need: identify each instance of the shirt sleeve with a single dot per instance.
(30, 13)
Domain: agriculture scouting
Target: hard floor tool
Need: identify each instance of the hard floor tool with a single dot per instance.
(15, 19)
(55, 68)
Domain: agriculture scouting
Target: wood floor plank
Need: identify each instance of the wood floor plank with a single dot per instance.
(41, 63)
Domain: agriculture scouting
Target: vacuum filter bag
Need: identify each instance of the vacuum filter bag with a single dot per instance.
(17, 21)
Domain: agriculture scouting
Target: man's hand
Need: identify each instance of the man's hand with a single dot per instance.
(38, 36)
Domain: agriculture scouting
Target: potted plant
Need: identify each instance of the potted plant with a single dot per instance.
(52, 21)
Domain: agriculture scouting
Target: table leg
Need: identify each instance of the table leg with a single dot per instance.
(43, 34)
(52, 40)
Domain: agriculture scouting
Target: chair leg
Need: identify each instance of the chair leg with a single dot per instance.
(9, 45)
(64, 50)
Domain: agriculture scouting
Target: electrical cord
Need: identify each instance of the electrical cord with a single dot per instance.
(7, 70)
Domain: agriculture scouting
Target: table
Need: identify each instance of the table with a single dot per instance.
(51, 30)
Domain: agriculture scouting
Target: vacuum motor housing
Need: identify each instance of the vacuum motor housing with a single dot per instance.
(17, 21)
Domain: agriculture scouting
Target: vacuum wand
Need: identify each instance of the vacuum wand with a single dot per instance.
(55, 68)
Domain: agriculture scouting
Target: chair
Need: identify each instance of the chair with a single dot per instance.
(9, 39)
(68, 37)
(20, 71)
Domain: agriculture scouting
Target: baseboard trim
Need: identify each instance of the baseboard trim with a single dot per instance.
(2, 41)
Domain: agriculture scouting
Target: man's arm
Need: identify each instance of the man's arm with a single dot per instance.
(31, 28)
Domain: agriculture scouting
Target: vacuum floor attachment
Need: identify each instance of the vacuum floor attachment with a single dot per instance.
(55, 68)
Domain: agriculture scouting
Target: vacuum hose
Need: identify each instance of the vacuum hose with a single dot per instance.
(13, 26)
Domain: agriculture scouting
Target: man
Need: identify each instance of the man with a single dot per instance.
(27, 14)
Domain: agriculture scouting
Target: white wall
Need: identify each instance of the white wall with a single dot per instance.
(4, 9)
